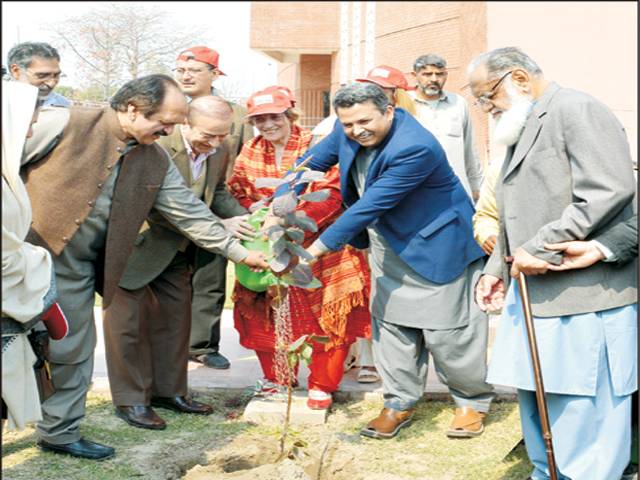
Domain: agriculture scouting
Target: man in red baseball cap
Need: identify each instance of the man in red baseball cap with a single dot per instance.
(394, 84)
(196, 70)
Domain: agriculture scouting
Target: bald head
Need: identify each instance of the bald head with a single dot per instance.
(208, 123)
(210, 106)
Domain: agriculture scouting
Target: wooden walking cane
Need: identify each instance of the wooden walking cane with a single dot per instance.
(537, 373)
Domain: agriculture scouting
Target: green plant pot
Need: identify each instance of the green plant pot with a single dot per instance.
(256, 281)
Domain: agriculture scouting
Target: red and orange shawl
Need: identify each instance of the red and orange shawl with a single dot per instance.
(341, 306)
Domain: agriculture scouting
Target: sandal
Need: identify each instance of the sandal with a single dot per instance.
(467, 423)
(368, 375)
(349, 363)
(388, 423)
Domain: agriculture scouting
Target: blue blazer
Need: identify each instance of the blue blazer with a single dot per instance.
(412, 198)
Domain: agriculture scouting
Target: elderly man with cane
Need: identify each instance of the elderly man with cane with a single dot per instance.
(567, 175)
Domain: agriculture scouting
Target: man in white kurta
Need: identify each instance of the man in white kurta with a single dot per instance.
(26, 269)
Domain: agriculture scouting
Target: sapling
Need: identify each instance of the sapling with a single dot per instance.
(289, 263)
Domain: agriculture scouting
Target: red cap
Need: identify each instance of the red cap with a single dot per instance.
(262, 102)
(284, 90)
(202, 54)
(386, 77)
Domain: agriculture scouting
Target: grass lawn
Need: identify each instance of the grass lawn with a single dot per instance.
(224, 446)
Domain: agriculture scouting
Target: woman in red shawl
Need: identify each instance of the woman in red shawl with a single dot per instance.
(340, 308)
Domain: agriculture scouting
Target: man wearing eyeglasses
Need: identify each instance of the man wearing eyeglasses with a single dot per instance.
(39, 65)
(446, 115)
(154, 293)
(567, 175)
(196, 70)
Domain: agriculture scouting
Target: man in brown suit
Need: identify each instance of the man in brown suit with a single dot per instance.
(146, 327)
(196, 70)
(93, 176)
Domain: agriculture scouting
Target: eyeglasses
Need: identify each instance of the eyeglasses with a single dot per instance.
(485, 99)
(192, 71)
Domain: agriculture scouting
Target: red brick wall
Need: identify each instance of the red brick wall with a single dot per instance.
(295, 25)
(315, 78)
(454, 30)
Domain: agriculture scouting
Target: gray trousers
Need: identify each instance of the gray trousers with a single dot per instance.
(71, 359)
(209, 287)
(459, 354)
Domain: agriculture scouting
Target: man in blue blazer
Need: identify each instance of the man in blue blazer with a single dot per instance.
(408, 207)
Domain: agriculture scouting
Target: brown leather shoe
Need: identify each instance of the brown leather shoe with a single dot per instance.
(182, 405)
(141, 416)
(466, 423)
(388, 423)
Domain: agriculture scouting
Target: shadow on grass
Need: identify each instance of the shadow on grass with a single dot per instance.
(139, 453)
(15, 446)
(521, 469)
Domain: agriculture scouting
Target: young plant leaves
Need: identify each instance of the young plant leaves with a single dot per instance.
(319, 196)
(285, 204)
(296, 249)
(269, 182)
(295, 234)
(294, 346)
(279, 263)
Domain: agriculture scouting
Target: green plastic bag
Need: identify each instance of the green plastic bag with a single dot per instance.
(256, 281)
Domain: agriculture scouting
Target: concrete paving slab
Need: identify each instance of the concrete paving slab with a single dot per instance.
(245, 369)
(272, 410)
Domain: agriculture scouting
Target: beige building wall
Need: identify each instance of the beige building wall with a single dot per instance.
(589, 46)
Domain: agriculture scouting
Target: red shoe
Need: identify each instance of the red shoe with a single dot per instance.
(319, 400)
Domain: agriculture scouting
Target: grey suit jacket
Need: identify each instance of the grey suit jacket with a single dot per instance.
(569, 177)
(622, 240)
(158, 241)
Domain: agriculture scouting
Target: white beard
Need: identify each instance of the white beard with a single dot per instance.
(511, 123)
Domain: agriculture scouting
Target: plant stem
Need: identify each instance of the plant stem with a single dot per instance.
(285, 427)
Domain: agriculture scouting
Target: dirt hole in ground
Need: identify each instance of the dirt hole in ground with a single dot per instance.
(252, 455)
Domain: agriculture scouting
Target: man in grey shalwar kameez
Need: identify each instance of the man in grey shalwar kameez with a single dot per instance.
(406, 204)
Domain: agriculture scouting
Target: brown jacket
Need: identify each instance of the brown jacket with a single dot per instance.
(64, 185)
(158, 240)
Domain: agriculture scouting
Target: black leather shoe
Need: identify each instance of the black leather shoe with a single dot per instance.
(182, 405)
(214, 360)
(141, 416)
(81, 448)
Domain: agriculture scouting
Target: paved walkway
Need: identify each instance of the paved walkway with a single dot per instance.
(245, 369)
